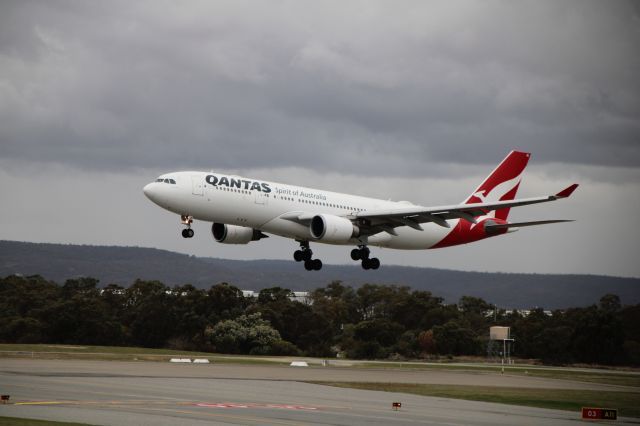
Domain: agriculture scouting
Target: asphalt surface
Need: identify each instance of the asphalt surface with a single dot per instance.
(158, 394)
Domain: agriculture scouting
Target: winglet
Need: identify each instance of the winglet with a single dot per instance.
(567, 191)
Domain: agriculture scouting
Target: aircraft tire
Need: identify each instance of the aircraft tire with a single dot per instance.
(355, 254)
(364, 253)
(375, 263)
(306, 255)
(185, 233)
(298, 256)
(317, 264)
(366, 264)
(308, 265)
(190, 233)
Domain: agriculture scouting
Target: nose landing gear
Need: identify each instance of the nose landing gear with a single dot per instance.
(362, 253)
(305, 254)
(187, 220)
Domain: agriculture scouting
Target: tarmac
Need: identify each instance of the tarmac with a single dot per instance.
(158, 394)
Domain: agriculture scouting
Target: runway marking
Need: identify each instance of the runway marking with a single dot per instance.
(42, 402)
(197, 404)
(252, 405)
(106, 402)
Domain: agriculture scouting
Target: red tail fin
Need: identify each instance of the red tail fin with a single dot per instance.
(502, 184)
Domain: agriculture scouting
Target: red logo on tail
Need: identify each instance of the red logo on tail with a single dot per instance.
(501, 185)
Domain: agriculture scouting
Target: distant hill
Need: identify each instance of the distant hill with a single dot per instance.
(123, 265)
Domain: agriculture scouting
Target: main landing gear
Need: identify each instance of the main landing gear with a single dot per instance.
(305, 254)
(362, 253)
(187, 220)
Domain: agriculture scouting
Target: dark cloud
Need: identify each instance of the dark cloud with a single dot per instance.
(359, 88)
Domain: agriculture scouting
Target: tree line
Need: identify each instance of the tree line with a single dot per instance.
(370, 322)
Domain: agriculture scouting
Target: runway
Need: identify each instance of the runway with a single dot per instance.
(158, 394)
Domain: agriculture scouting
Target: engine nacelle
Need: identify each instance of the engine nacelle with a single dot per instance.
(232, 234)
(332, 229)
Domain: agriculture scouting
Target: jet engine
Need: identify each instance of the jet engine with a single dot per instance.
(332, 229)
(232, 234)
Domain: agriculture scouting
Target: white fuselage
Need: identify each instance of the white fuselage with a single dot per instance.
(268, 207)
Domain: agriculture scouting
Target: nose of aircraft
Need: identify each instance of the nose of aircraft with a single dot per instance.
(150, 191)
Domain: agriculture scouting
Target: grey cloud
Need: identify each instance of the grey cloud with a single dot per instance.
(358, 88)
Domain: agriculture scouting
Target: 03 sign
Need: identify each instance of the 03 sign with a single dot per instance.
(591, 413)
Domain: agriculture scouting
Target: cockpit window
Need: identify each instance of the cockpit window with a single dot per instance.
(166, 180)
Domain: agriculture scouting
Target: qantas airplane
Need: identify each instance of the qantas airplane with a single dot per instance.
(243, 210)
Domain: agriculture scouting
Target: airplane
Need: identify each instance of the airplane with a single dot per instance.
(243, 210)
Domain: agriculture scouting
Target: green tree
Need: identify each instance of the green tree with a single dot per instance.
(246, 334)
(190, 313)
(417, 310)
(474, 311)
(337, 304)
(597, 335)
(629, 318)
(21, 330)
(527, 330)
(224, 301)
(373, 338)
(455, 338)
(296, 322)
(426, 342)
(149, 314)
(610, 303)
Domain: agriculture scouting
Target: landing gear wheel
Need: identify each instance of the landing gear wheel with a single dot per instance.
(360, 253)
(307, 254)
(364, 252)
(187, 220)
(317, 264)
(374, 263)
(366, 264)
(355, 254)
(309, 265)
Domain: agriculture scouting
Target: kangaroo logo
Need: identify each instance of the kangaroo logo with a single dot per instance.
(498, 191)
(495, 194)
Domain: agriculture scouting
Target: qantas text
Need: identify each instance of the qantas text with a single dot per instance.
(238, 183)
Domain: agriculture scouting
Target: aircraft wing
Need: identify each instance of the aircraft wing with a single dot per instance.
(413, 216)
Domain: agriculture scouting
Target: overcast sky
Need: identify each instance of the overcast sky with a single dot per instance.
(412, 100)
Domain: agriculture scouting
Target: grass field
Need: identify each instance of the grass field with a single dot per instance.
(627, 403)
(16, 421)
(119, 353)
(609, 376)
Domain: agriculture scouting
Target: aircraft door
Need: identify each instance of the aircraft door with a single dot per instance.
(197, 186)
(261, 198)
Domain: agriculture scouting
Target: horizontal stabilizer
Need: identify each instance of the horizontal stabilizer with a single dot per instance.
(523, 224)
(567, 191)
